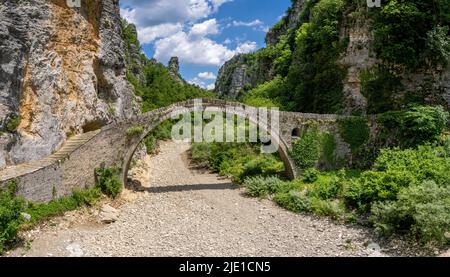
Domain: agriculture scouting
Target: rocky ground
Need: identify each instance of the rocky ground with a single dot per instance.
(176, 210)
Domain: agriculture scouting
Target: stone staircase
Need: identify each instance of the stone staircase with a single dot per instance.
(68, 147)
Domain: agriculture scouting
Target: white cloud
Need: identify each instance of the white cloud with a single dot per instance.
(151, 33)
(179, 28)
(156, 12)
(217, 3)
(208, 27)
(198, 82)
(253, 23)
(246, 47)
(193, 50)
(207, 75)
(197, 49)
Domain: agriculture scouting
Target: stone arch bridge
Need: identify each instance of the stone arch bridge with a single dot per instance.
(74, 164)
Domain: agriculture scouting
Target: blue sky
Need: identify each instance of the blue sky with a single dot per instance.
(202, 33)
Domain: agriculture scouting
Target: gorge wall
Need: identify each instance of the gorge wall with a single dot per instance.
(370, 82)
(62, 72)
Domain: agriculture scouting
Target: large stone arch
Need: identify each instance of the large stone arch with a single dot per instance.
(154, 118)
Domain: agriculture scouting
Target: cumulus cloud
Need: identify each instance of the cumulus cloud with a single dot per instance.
(193, 50)
(195, 47)
(156, 12)
(151, 33)
(179, 28)
(208, 27)
(207, 75)
(198, 82)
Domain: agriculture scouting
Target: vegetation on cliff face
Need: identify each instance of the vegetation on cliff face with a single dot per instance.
(410, 41)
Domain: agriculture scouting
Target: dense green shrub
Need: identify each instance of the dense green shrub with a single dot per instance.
(11, 208)
(354, 131)
(260, 186)
(88, 197)
(407, 32)
(422, 124)
(378, 84)
(375, 186)
(295, 201)
(423, 210)
(396, 169)
(57, 207)
(235, 160)
(333, 209)
(326, 189)
(265, 95)
(306, 150)
(414, 126)
(266, 165)
(438, 46)
(108, 181)
(311, 175)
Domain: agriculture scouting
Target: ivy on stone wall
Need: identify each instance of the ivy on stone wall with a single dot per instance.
(306, 150)
(354, 131)
(328, 144)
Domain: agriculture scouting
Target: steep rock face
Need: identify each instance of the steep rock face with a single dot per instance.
(233, 77)
(174, 69)
(62, 72)
(242, 71)
(289, 22)
(135, 59)
(357, 57)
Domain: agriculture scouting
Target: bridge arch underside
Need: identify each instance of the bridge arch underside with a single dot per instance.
(150, 123)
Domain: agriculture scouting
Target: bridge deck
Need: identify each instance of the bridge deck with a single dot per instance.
(69, 146)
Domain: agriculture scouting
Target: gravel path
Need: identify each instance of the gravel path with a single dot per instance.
(184, 212)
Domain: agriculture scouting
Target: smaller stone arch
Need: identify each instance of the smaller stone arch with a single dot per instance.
(296, 133)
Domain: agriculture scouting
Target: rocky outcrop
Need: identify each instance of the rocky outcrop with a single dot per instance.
(357, 57)
(135, 59)
(233, 77)
(174, 69)
(240, 73)
(290, 21)
(62, 72)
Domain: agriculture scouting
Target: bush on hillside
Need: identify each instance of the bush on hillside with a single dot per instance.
(11, 208)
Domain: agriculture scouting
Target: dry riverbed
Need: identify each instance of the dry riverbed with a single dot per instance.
(179, 211)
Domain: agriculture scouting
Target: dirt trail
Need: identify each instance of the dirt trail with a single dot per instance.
(184, 212)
